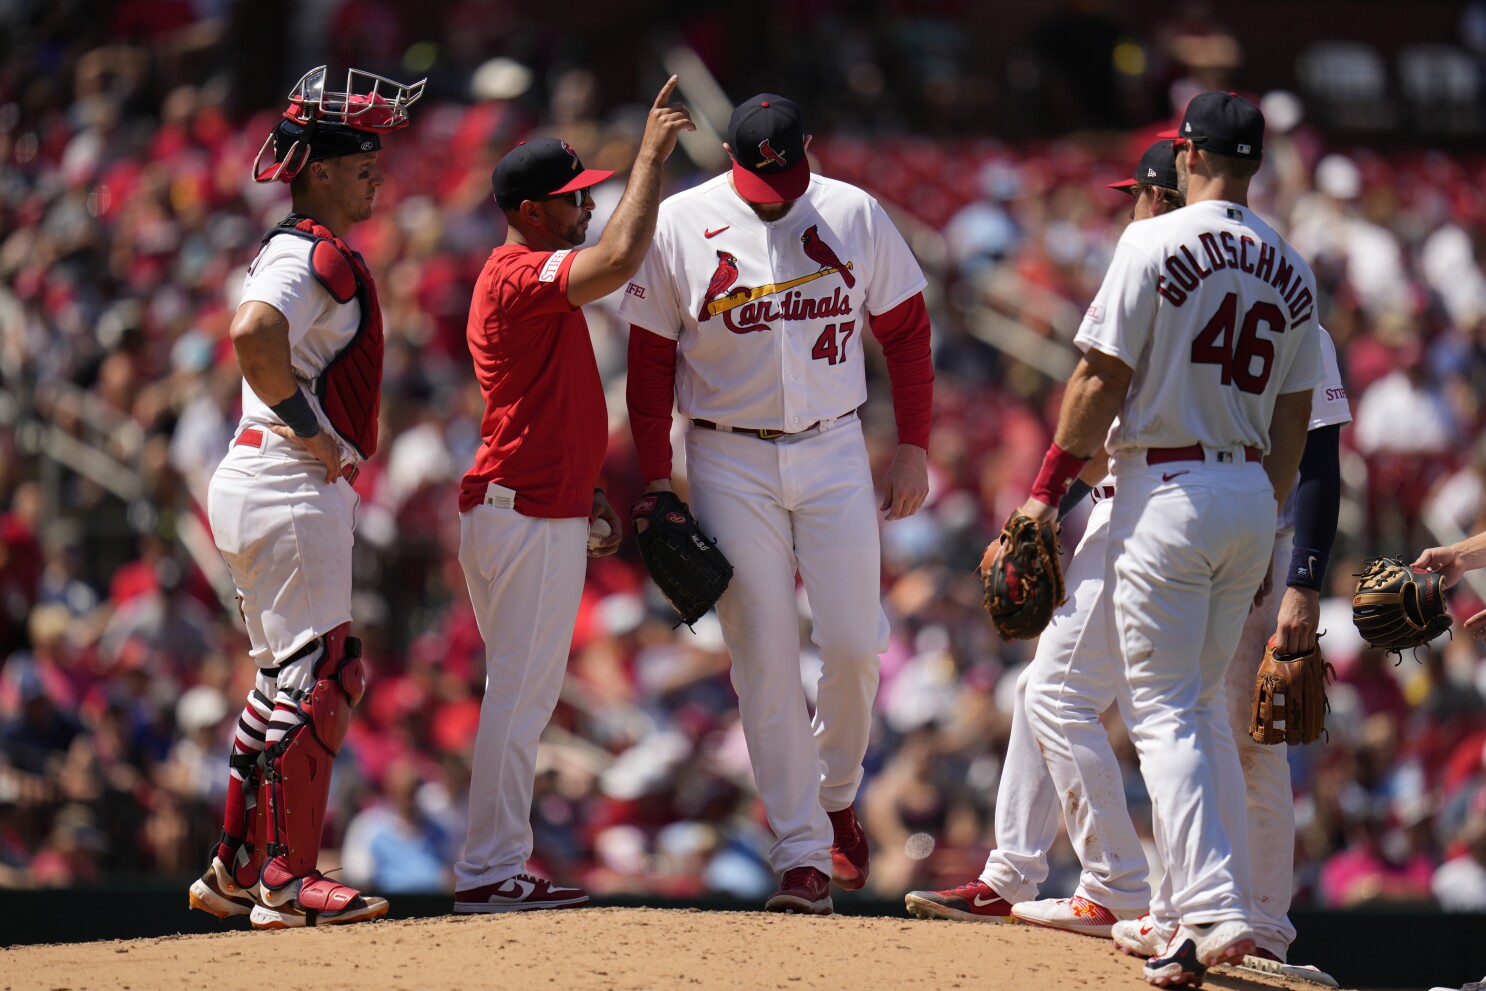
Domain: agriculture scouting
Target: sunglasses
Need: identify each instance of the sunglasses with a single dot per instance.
(575, 197)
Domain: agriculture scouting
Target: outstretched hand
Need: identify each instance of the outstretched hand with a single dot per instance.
(1445, 560)
(665, 124)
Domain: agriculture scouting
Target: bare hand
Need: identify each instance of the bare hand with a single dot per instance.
(1445, 560)
(1476, 625)
(322, 446)
(1300, 614)
(664, 124)
(602, 510)
(1035, 508)
(1265, 587)
(659, 485)
(907, 482)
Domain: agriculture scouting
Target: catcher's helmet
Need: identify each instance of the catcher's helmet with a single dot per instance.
(321, 124)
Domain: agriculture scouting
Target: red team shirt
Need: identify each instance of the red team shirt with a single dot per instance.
(533, 358)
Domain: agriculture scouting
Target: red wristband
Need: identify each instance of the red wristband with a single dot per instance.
(1059, 469)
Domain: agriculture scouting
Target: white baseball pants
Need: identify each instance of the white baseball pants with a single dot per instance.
(525, 578)
(286, 538)
(775, 508)
(1059, 752)
(1189, 545)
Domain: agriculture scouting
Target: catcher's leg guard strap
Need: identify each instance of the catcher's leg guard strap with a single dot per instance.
(298, 766)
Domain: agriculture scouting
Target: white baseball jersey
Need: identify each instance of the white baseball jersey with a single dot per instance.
(319, 327)
(768, 315)
(1217, 316)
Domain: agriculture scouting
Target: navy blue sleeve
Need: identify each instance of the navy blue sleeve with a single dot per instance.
(1075, 495)
(1318, 496)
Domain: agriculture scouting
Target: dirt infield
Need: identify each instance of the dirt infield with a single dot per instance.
(605, 949)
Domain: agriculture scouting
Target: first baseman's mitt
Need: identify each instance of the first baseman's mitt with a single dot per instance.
(1397, 606)
(683, 561)
(1290, 697)
(1026, 584)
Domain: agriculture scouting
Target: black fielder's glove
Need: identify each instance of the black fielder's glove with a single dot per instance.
(1025, 586)
(684, 562)
(1397, 606)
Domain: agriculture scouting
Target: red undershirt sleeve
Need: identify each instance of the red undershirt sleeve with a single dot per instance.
(650, 394)
(903, 333)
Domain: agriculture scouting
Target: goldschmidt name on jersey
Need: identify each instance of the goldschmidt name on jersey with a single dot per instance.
(1223, 250)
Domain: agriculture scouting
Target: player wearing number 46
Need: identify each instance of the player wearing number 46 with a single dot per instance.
(1203, 342)
(747, 313)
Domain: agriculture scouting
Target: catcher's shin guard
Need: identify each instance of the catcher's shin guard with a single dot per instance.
(297, 774)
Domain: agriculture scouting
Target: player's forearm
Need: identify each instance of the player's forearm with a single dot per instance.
(1095, 393)
(1292, 413)
(904, 335)
(1471, 552)
(650, 393)
(1318, 495)
(630, 230)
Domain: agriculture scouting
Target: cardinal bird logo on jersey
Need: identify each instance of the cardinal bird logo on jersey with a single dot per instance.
(770, 155)
(722, 281)
(822, 254)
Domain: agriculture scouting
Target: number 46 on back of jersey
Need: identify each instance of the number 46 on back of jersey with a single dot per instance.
(1237, 355)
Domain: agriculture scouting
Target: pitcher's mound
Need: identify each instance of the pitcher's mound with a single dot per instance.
(605, 949)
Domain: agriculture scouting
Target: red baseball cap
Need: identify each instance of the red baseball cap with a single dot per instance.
(767, 137)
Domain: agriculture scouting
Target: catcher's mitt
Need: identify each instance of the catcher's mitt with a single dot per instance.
(1026, 583)
(1290, 697)
(683, 561)
(1397, 606)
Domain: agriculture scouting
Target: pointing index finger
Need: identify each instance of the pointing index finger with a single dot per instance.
(664, 98)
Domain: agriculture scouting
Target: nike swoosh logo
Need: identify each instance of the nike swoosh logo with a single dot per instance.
(982, 903)
(1175, 474)
(707, 233)
(523, 889)
(1310, 563)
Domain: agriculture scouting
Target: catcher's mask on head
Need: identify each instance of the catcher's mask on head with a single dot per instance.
(320, 124)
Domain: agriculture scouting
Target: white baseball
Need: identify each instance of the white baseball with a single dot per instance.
(598, 532)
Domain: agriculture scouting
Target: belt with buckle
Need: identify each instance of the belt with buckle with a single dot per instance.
(763, 433)
(253, 437)
(1164, 455)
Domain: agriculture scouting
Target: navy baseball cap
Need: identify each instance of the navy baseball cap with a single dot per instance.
(1225, 123)
(535, 170)
(1157, 167)
(767, 136)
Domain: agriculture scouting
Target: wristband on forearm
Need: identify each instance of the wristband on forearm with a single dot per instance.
(1075, 495)
(297, 415)
(1307, 568)
(1059, 469)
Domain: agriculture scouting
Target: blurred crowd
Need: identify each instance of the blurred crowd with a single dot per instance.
(126, 221)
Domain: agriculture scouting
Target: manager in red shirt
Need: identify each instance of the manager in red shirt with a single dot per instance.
(526, 503)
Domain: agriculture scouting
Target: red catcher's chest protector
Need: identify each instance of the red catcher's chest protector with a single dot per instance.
(350, 387)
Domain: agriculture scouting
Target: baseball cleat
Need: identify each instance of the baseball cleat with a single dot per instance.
(1266, 962)
(522, 893)
(315, 900)
(1472, 986)
(972, 902)
(850, 859)
(1075, 915)
(217, 894)
(1194, 949)
(804, 891)
(1139, 937)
